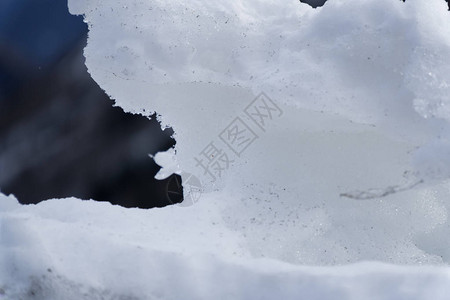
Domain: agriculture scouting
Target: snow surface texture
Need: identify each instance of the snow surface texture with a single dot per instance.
(359, 85)
(71, 250)
(348, 160)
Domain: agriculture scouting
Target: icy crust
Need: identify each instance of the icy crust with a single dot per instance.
(351, 166)
(366, 60)
(70, 249)
(372, 62)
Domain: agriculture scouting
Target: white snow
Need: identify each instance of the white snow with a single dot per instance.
(351, 169)
(68, 249)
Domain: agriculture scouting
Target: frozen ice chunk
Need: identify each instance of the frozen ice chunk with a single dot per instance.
(168, 163)
(280, 109)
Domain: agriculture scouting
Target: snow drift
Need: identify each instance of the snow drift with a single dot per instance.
(316, 137)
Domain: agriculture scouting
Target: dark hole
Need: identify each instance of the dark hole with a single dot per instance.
(314, 3)
(61, 137)
(59, 134)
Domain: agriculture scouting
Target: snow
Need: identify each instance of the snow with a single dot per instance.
(380, 63)
(67, 249)
(341, 183)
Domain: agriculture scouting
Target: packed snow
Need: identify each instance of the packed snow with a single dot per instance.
(313, 146)
(67, 249)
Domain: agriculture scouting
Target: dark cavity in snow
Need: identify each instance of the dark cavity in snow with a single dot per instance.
(314, 3)
(59, 134)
